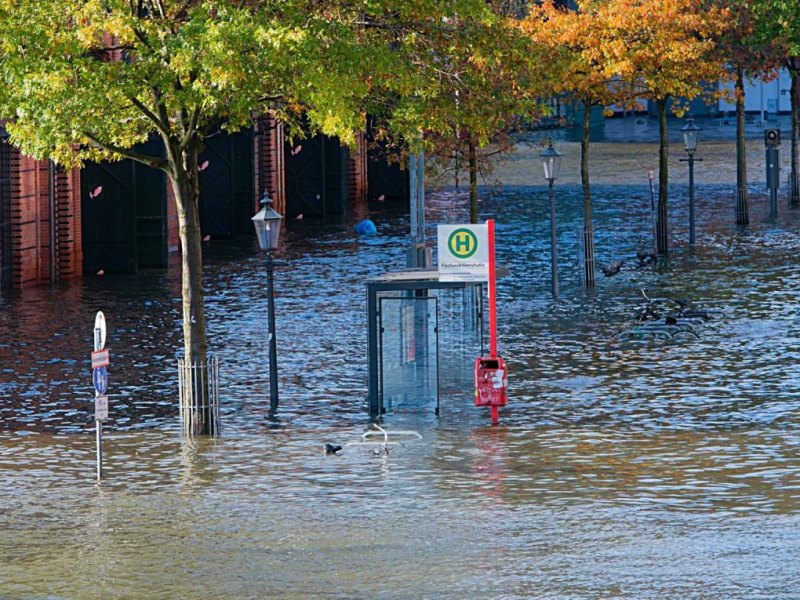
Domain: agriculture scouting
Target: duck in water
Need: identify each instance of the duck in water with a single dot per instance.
(612, 269)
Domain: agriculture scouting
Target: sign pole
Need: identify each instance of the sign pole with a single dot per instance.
(467, 253)
(99, 435)
(492, 295)
(492, 307)
(100, 381)
(98, 424)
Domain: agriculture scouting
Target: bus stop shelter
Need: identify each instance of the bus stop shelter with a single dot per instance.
(403, 327)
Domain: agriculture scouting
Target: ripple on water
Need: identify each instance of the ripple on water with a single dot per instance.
(644, 468)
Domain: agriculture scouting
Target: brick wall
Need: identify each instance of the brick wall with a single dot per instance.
(42, 207)
(45, 221)
(270, 165)
(9, 158)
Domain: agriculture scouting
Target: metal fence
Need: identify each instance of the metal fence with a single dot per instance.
(794, 190)
(198, 386)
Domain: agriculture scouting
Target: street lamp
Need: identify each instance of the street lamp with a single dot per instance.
(691, 133)
(268, 229)
(551, 161)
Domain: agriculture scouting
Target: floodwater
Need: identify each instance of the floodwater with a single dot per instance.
(621, 468)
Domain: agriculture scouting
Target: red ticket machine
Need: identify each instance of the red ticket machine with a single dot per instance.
(491, 382)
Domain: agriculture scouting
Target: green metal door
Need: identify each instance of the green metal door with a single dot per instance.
(151, 218)
(226, 184)
(124, 215)
(108, 223)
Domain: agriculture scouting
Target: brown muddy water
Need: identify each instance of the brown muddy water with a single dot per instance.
(642, 468)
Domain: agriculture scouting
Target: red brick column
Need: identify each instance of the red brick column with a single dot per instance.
(269, 162)
(45, 222)
(30, 225)
(68, 223)
(357, 171)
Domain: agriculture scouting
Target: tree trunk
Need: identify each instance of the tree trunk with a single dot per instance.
(662, 241)
(183, 177)
(794, 175)
(473, 181)
(742, 210)
(588, 235)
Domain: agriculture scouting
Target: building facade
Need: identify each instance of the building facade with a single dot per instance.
(120, 217)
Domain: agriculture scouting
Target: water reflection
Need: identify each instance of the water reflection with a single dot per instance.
(644, 468)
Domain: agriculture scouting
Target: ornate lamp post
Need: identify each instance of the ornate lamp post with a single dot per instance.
(268, 229)
(691, 133)
(551, 161)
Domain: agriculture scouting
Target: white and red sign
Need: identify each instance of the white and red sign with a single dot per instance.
(100, 358)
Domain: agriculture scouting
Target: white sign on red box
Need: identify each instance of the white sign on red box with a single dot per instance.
(100, 359)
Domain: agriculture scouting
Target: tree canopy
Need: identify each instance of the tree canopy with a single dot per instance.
(90, 79)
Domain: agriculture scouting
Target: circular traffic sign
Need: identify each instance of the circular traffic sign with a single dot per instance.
(462, 243)
(100, 380)
(99, 331)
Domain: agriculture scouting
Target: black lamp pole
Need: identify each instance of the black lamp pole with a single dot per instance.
(691, 133)
(268, 228)
(273, 349)
(553, 245)
(691, 197)
(551, 161)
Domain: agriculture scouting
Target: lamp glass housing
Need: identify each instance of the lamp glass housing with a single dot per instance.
(691, 133)
(551, 161)
(267, 222)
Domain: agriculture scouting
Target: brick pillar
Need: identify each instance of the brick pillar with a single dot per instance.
(30, 225)
(70, 241)
(357, 171)
(45, 221)
(173, 227)
(8, 159)
(269, 162)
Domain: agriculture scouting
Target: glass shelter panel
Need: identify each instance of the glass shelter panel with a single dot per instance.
(409, 360)
(460, 334)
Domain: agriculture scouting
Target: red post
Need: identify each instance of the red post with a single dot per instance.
(492, 307)
(490, 372)
(492, 294)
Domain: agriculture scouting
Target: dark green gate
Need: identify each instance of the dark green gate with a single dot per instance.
(385, 181)
(316, 177)
(226, 184)
(124, 210)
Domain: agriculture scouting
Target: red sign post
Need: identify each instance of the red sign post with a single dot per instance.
(491, 375)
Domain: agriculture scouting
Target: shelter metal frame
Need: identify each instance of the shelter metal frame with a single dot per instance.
(414, 280)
